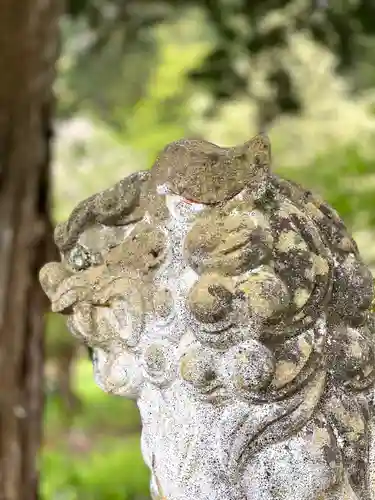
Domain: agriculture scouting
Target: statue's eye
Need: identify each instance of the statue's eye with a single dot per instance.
(80, 258)
(182, 208)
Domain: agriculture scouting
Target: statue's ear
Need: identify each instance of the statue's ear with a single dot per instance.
(257, 152)
(260, 150)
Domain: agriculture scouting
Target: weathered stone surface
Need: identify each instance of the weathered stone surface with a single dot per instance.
(234, 307)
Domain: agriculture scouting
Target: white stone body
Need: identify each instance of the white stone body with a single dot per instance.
(240, 323)
(185, 436)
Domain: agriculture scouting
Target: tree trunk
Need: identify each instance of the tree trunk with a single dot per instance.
(28, 49)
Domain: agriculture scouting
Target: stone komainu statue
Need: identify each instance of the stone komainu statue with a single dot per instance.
(234, 307)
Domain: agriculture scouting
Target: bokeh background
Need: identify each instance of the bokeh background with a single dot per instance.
(135, 75)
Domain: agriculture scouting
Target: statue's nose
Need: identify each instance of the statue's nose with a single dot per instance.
(62, 287)
(51, 276)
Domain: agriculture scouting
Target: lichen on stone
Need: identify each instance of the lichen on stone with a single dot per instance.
(234, 306)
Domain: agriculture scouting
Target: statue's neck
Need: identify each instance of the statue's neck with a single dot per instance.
(175, 403)
(171, 419)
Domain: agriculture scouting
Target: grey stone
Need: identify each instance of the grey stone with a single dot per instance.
(234, 307)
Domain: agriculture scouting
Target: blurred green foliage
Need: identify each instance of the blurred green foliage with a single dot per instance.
(58, 339)
(242, 30)
(113, 470)
(99, 412)
(341, 176)
(98, 456)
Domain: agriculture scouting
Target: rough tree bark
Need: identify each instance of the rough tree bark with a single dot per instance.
(28, 50)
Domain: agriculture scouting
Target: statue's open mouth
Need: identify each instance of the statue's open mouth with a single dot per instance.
(71, 291)
(65, 300)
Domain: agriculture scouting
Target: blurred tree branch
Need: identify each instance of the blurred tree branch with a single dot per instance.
(28, 48)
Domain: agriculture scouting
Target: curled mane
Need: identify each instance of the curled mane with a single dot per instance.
(288, 259)
(279, 307)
